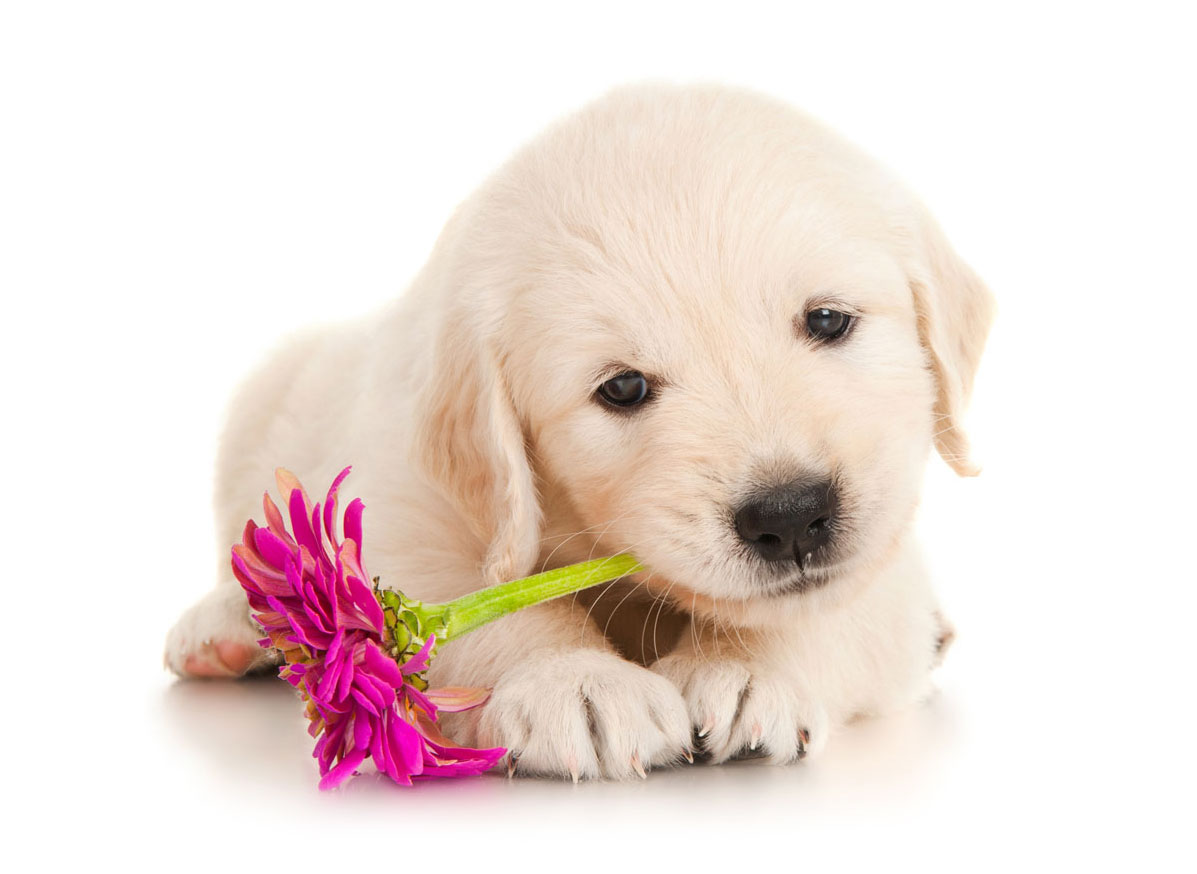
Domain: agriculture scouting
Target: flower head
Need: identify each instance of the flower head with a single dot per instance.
(359, 666)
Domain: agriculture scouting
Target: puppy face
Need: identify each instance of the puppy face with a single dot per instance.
(749, 435)
(716, 324)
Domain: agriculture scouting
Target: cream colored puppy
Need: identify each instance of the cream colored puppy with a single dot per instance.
(689, 323)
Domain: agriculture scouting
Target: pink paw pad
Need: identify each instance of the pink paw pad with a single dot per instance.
(223, 658)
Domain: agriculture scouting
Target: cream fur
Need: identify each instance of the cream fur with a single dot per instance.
(677, 231)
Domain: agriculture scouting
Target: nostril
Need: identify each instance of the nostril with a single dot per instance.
(814, 529)
(768, 539)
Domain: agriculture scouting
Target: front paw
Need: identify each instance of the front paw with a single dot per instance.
(586, 714)
(215, 638)
(738, 708)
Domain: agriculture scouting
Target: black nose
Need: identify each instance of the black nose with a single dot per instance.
(789, 523)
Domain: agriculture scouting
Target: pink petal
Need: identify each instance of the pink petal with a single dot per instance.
(346, 768)
(274, 519)
(357, 594)
(419, 662)
(381, 694)
(454, 699)
(301, 522)
(353, 524)
(318, 530)
(383, 667)
(348, 675)
(287, 482)
(454, 761)
(361, 731)
(364, 701)
(261, 576)
(404, 744)
(418, 698)
(380, 751)
(330, 504)
(274, 551)
(329, 745)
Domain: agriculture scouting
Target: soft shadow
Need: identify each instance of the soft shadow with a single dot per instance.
(242, 731)
(252, 734)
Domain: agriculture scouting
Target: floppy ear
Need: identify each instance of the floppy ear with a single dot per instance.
(469, 440)
(954, 310)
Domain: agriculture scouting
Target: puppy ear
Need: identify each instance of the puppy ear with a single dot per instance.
(469, 440)
(955, 311)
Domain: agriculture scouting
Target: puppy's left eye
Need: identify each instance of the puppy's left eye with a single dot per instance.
(629, 389)
(825, 324)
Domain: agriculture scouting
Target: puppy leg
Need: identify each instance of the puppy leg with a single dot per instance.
(563, 702)
(216, 638)
(739, 701)
(782, 691)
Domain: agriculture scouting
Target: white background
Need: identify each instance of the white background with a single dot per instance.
(181, 184)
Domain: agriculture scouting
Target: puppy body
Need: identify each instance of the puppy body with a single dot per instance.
(681, 233)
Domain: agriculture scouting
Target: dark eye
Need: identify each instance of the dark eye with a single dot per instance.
(626, 390)
(825, 324)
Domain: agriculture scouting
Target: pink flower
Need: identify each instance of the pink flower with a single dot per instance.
(366, 693)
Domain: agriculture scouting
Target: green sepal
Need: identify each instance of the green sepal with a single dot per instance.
(408, 625)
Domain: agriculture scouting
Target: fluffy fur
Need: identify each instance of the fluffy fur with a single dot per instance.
(682, 232)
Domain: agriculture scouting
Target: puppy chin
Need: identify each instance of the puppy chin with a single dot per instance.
(762, 595)
(760, 603)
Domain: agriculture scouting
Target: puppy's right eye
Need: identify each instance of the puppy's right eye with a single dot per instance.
(626, 390)
(826, 324)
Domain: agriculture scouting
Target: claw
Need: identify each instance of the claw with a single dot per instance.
(756, 736)
(512, 758)
(689, 756)
(572, 763)
(706, 727)
(637, 767)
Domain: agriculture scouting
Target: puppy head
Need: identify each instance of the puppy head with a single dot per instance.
(722, 339)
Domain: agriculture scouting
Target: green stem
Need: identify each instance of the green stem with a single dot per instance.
(463, 615)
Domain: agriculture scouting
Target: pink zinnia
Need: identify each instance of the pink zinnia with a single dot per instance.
(322, 614)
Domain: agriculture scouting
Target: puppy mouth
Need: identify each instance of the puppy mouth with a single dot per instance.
(805, 573)
(807, 578)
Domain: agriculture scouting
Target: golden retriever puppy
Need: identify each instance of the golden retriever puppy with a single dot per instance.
(689, 323)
